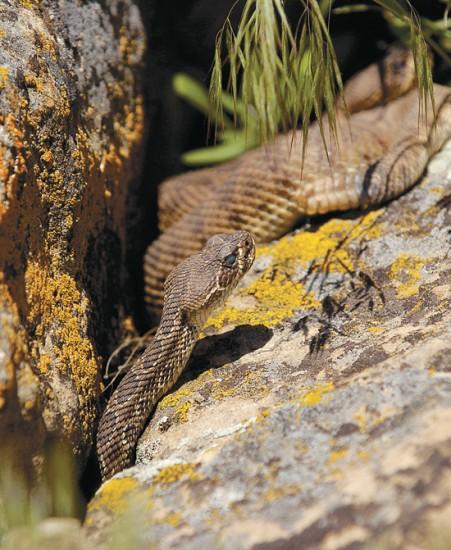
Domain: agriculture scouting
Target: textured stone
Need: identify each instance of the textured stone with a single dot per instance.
(316, 413)
(71, 128)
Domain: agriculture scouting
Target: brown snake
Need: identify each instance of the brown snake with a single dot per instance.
(193, 290)
(382, 152)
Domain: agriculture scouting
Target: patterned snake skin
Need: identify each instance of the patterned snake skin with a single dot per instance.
(382, 152)
(193, 290)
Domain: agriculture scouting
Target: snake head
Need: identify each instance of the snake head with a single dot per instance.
(203, 281)
(232, 254)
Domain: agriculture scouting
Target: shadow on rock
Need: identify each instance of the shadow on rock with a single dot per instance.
(220, 349)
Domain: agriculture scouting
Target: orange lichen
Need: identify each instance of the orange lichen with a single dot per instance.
(47, 156)
(55, 301)
(54, 209)
(130, 127)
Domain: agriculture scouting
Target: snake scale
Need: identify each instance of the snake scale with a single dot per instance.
(382, 151)
(193, 290)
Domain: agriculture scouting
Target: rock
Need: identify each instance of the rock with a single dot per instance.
(326, 385)
(71, 129)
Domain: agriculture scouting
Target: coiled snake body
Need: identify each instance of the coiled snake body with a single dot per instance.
(382, 152)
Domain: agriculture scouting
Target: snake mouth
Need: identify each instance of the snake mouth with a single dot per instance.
(247, 246)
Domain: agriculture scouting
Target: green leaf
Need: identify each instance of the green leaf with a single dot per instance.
(216, 154)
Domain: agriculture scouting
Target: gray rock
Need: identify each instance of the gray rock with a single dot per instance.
(326, 384)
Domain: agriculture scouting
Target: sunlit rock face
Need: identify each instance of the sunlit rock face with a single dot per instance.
(316, 411)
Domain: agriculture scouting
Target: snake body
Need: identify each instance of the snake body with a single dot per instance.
(193, 290)
(382, 152)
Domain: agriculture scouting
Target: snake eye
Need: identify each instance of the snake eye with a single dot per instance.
(230, 260)
(397, 67)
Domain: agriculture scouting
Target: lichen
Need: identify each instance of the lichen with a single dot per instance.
(278, 292)
(405, 272)
(174, 519)
(337, 454)
(57, 168)
(4, 76)
(55, 301)
(114, 495)
(176, 472)
(281, 491)
(247, 385)
(179, 402)
(315, 395)
(375, 329)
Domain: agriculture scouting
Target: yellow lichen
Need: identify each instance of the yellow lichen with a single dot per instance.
(315, 396)
(363, 456)
(47, 156)
(229, 385)
(305, 247)
(182, 411)
(178, 401)
(405, 272)
(171, 474)
(281, 491)
(174, 519)
(369, 419)
(114, 495)
(263, 413)
(4, 76)
(375, 329)
(54, 300)
(277, 294)
(32, 81)
(337, 455)
(277, 298)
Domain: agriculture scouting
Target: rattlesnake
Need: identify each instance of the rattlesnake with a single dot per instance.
(381, 153)
(193, 290)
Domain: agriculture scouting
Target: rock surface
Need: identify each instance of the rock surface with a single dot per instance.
(319, 414)
(71, 128)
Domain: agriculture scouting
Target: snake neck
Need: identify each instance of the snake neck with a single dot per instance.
(171, 348)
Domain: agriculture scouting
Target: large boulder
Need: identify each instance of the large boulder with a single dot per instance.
(71, 133)
(316, 411)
